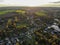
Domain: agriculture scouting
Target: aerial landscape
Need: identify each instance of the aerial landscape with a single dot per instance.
(29, 25)
(29, 22)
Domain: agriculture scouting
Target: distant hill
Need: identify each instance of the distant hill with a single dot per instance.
(54, 4)
(3, 5)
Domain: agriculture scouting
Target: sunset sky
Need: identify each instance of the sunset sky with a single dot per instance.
(27, 2)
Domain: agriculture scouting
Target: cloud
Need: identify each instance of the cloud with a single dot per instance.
(1, 0)
(27, 2)
(56, 2)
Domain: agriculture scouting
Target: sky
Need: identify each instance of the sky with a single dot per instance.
(26, 2)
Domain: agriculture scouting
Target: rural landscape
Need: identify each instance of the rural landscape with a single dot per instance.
(29, 25)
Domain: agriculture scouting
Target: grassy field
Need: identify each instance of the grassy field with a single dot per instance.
(6, 11)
